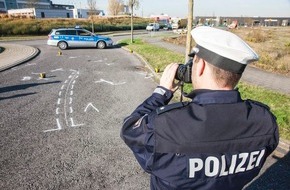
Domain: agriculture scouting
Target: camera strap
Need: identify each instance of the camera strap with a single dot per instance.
(182, 92)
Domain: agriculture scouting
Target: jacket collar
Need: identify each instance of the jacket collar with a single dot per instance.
(205, 96)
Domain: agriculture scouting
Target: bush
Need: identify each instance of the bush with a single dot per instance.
(28, 26)
(257, 36)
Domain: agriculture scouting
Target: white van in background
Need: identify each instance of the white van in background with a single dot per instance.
(152, 27)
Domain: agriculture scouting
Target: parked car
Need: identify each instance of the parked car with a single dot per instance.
(152, 27)
(77, 37)
(167, 27)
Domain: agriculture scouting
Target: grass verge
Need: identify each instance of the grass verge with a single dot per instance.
(160, 57)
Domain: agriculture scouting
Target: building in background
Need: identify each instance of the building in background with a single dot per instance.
(3, 7)
(242, 21)
(162, 18)
(42, 4)
(36, 8)
(41, 13)
(85, 13)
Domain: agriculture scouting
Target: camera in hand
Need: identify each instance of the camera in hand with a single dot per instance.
(183, 72)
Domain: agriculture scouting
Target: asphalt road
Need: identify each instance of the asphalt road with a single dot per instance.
(62, 131)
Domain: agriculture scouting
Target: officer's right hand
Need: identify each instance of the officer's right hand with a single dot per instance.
(168, 76)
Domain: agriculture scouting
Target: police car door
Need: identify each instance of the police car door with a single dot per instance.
(71, 38)
(86, 39)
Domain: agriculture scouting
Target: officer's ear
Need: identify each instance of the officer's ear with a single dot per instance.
(200, 66)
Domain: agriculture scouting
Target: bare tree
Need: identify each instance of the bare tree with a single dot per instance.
(133, 4)
(189, 28)
(92, 4)
(115, 6)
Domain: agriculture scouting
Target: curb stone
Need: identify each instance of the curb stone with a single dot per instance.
(4, 66)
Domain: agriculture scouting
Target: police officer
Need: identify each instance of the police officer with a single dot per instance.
(215, 141)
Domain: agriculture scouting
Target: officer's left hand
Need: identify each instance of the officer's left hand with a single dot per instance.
(168, 76)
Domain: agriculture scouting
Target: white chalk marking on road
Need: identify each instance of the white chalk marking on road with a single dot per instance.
(69, 76)
(71, 109)
(71, 81)
(77, 77)
(36, 73)
(72, 57)
(109, 82)
(58, 101)
(75, 125)
(29, 64)
(60, 69)
(58, 127)
(91, 105)
(26, 78)
(70, 100)
(62, 87)
(73, 71)
(142, 73)
(59, 94)
(57, 111)
(72, 87)
(149, 76)
(65, 81)
(109, 64)
(98, 61)
(74, 82)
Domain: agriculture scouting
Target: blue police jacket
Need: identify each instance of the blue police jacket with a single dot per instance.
(216, 141)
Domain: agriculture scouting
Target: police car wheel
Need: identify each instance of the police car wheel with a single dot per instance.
(62, 45)
(101, 45)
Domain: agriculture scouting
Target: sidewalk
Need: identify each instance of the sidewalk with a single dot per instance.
(15, 54)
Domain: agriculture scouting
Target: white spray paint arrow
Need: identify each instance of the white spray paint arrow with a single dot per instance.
(91, 105)
(109, 82)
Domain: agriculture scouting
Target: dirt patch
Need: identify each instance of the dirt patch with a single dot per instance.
(179, 40)
(271, 43)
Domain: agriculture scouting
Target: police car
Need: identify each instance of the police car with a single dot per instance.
(77, 37)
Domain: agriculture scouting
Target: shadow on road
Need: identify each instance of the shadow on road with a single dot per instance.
(17, 96)
(276, 177)
(22, 87)
(94, 48)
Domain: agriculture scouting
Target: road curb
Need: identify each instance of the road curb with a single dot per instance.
(157, 76)
(34, 53)
(284, 146)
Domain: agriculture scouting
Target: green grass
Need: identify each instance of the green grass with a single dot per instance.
(157, 57)
(279, 103)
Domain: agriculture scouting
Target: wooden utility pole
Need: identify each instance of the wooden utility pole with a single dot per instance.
(132, 4)
(189, 28)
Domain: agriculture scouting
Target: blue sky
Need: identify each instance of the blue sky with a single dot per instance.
(263, 8)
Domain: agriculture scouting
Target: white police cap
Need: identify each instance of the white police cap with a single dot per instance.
(222, 49)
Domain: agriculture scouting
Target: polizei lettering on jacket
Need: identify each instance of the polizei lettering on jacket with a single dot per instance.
(213, 166)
